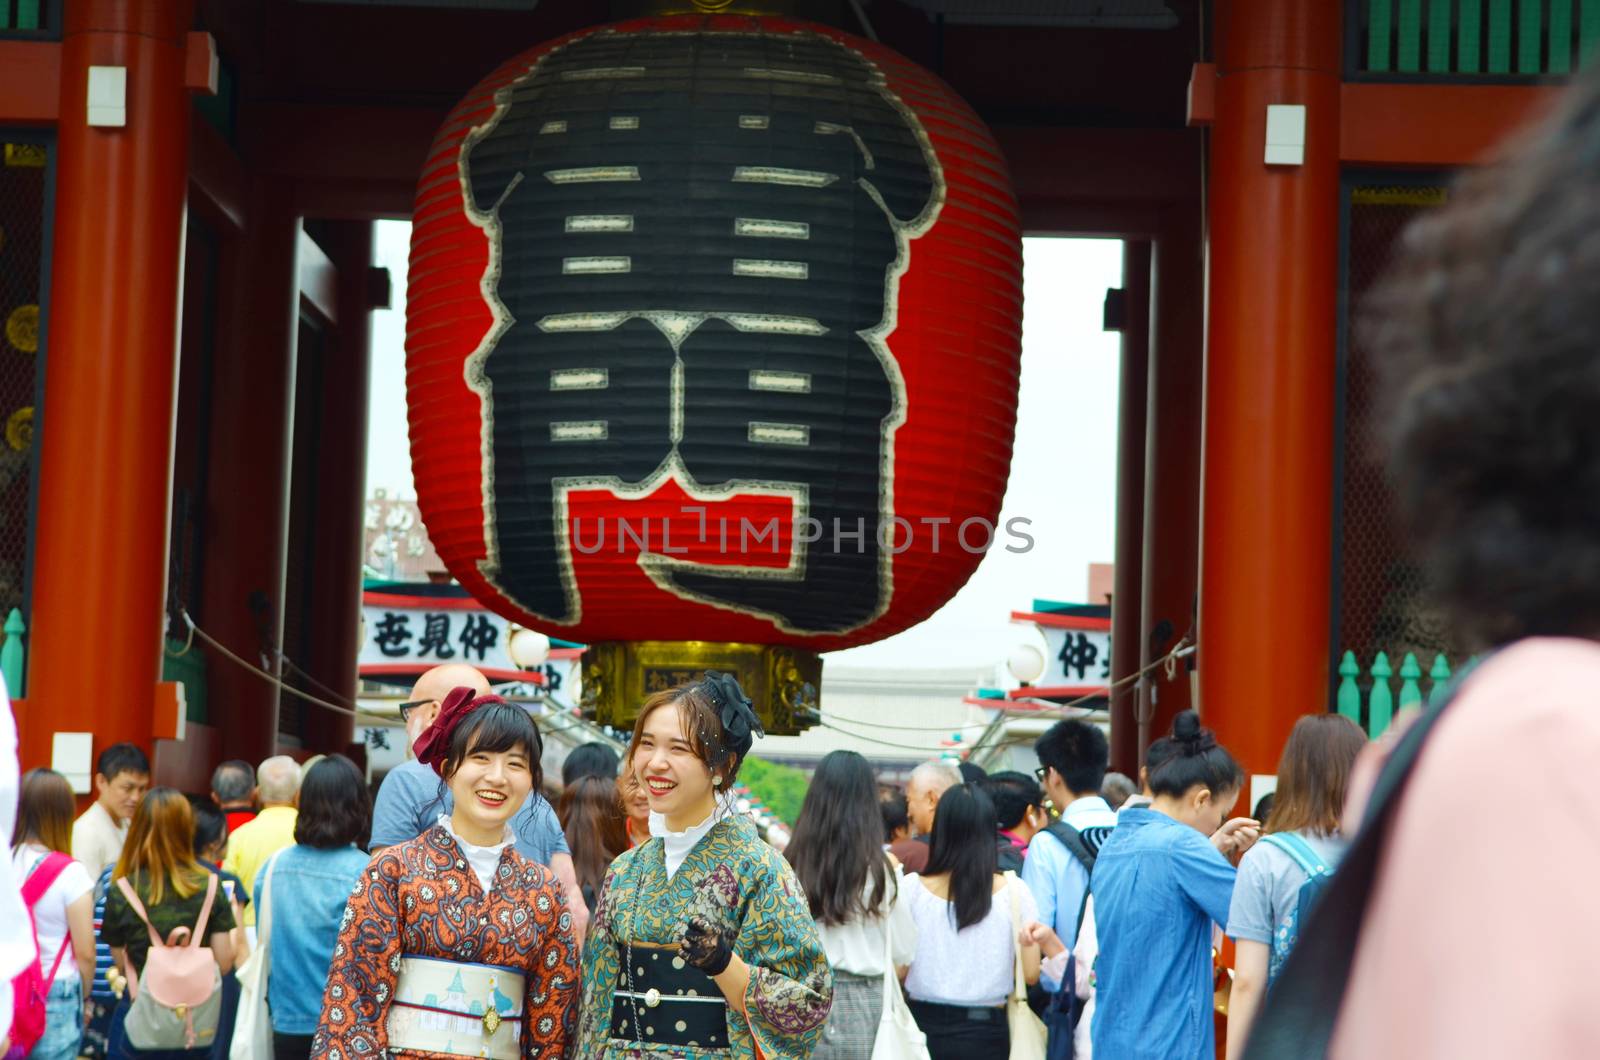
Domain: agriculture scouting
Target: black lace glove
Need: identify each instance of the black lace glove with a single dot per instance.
(705, 946)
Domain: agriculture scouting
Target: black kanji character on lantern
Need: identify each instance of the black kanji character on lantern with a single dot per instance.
(479, 636)
(436, 636)
(392, 633)
(693, 234)
(378, 739)
(1078, 653)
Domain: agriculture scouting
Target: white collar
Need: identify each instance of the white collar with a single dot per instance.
(472, 849)
(677, 845)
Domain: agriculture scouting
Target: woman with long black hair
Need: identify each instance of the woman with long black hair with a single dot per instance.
(966, 949)
(855, 896)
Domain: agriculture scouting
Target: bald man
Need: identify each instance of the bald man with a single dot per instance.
(412, 796)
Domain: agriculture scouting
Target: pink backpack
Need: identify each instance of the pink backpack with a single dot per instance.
(30, 987)
(179, 1003)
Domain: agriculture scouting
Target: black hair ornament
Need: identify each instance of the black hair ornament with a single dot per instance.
(740, 723)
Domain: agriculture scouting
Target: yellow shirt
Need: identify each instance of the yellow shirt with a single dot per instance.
(252, 843)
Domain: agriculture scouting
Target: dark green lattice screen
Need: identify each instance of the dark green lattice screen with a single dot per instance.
(1381, 603)
(24, 178)
(1469, 39)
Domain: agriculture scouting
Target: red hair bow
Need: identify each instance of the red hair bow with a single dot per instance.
(433, 746)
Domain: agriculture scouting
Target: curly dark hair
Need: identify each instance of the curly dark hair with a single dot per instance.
(1487, 331)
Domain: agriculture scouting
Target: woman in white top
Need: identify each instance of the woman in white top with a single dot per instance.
(63, 914)
(963, 969)
(855, 896)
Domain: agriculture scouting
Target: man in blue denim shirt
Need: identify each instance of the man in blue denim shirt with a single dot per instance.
(412, 797)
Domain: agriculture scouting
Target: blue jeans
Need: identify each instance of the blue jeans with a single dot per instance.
(63, 1027)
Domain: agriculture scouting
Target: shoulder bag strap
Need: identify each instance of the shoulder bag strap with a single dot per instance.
(1309, 991)
(45, 872)
(195, 941)
(264, 902)
(138, 907)
(1019, 990)
(1298, 850)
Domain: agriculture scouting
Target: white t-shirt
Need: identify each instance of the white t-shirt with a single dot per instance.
(857, 946)
(50, 915)
(974, 966)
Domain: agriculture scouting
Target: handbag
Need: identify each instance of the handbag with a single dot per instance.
(180, 1000)
(29, 990)
(1027, 1031)
(252, 1026)
(899, 1037)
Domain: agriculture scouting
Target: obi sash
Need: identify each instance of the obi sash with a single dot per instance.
(457, 1009)
(675, 1002)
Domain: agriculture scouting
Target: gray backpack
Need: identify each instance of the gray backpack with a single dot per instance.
(180, 1002)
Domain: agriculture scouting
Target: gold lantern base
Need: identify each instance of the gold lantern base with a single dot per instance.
(782, 682)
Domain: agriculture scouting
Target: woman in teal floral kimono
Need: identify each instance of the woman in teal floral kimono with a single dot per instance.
(702, 944)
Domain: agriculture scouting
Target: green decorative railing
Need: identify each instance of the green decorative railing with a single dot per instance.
(21, 15)
(13, 653)
(1371, 698)
(1471, 39)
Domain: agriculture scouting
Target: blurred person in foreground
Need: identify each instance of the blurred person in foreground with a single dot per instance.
(1487, 333)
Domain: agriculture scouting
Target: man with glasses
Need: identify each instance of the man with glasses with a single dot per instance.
(412, 796)
(1073, 758)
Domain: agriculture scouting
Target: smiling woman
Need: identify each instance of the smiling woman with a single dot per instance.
(399, 984)
(702, 942)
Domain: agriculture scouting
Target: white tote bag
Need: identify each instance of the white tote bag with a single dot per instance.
(1027, 1030)
(899, 1037)
(252, 1027)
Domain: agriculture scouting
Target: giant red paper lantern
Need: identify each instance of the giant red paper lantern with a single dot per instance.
(684, 291)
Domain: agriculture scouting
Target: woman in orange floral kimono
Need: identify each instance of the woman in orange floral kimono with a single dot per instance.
(454, 944)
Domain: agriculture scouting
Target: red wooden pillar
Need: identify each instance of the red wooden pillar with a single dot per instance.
(1172, 466)
(105, 472)
(247, 507)
(1270, 363)
(335, 589)
(1126, 594)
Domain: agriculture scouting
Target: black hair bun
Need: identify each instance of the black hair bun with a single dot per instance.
(1191, 735)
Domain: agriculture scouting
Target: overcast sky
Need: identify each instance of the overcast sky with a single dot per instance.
(1063, 469)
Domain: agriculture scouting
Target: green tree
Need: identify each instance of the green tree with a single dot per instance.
(781, 789)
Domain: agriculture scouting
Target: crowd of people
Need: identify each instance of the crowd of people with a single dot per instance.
(454, 913)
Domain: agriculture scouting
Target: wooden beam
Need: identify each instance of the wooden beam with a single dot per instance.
(319, 279)
(341, 143)
(217, 177)
(1432, 125)
(30, 82)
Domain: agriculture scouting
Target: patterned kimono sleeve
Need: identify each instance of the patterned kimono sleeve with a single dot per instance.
(791, 983)
(600, 971)
(550, 1009)
(366, 964)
